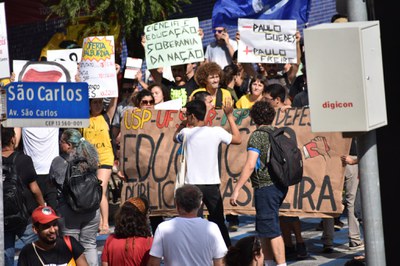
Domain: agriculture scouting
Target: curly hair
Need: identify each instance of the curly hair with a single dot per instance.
(131, 220)
(82, 149)
(140, 95)
(262, 113)
(164, 89)
(7, 133)
(202, 73)
(243, 252)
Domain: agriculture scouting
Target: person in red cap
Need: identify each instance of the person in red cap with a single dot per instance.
(50, 249)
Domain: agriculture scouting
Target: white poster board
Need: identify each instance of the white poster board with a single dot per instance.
(4, 58)
(74, 55)
(267, 41)
(133, 65)
(44, 71)
(173, 42)
(97, 66)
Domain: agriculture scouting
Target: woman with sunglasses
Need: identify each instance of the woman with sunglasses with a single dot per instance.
(144, 100)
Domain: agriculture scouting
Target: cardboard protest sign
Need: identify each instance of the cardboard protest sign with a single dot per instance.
(149, 161)
(4, 59)
(97, 66)
(267, 41)
(173, 42)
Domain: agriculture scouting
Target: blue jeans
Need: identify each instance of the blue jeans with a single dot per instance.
(26, 235)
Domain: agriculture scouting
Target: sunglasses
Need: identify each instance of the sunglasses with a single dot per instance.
(218, 31)
(146, 102)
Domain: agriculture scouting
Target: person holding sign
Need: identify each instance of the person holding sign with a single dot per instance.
(221, 50)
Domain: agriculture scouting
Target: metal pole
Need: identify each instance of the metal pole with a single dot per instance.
(369, 173)
(371, 199)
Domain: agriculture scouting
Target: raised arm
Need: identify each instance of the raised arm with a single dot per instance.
(236, 137)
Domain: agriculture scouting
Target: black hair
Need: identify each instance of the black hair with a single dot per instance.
(141, 94)
(198, 108)
(201, 95)
(262, 113)
(243, 252)
(188, 197)
(276, 90)
(7, 133)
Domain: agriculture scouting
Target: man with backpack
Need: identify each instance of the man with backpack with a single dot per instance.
(268, 194)
(21, 194)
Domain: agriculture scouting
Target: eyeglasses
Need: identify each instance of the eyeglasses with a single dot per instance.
(146, 102)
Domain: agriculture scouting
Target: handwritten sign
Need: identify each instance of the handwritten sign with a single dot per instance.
(267, 41)
(173, 42)
(4, 59)
(97, 66)
(149, 160)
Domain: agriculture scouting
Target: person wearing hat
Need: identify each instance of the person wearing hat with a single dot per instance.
(50, 248)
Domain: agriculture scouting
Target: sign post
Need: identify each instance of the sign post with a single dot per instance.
(47, 104)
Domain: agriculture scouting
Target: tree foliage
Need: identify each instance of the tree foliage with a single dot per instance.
(131, 15)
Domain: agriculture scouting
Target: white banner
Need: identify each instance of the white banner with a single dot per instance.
(97, 66)
(4, 58)
(267, 41)
(173, 42)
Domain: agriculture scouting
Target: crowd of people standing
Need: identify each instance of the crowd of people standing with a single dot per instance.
(139, 238)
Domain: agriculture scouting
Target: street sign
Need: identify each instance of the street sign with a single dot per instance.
(47, 104)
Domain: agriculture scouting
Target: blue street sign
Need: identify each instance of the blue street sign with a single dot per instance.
(47, 104)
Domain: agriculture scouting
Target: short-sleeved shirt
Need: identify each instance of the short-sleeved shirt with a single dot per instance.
(133, 251)
(59, 255)
(259, 142)
(188, 241)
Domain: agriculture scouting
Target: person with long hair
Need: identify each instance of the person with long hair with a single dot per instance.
(132, 238)
(82, 226)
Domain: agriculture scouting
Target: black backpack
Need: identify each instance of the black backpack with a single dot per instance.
(284, 158)
(16, 213)
(82, 191)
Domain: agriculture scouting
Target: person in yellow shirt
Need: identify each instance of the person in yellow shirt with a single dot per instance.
(208, 77)
(257, 86)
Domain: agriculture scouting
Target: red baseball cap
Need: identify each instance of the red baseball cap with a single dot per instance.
(44, 215)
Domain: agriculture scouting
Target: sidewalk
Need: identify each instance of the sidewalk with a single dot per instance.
(312, 237)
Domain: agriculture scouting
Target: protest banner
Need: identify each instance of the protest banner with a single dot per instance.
(173, 42)
(149, 162)
(97, 66)
(267, 41)
(37, 71)
(4, 58)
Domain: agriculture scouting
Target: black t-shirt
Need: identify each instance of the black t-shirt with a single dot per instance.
(26, 171)
(180, 92)
(59, 255)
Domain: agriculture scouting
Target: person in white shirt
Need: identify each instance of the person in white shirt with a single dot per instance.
(187, 239)
(203, 142)
(222, 49)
